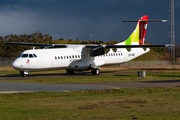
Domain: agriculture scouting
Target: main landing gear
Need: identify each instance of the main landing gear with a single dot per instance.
(95, 71)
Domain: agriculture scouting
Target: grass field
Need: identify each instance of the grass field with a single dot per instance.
(118, 104)
(121, 104)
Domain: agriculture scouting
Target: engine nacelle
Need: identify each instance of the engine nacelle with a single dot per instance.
(97, 51)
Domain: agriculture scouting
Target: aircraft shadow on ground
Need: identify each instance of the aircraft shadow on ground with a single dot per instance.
(120, 75)
(45, 75)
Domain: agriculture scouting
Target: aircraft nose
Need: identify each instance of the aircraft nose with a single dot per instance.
(16, 65)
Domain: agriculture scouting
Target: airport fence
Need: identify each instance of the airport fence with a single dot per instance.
(6, 61)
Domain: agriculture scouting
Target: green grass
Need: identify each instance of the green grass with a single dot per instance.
(117, 104)
(121, 104)
(150, 56)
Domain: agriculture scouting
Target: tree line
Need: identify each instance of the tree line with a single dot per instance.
(37, 37)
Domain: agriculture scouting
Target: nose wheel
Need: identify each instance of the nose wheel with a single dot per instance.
(23, 74)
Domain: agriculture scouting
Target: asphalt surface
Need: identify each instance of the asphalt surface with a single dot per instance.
(15, 87)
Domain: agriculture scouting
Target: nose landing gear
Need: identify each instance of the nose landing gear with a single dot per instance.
(23, 73)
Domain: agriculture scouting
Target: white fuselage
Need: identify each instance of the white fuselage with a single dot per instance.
(71, 59)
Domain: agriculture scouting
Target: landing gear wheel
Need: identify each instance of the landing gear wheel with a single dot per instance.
(23, 74)
(95, 71)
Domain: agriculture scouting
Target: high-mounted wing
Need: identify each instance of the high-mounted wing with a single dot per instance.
(42, 45)
(136, 46)
(95, 49)
(93, 46)
(127, 46)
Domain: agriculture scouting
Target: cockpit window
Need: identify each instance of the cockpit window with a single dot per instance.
(34, 55)
(24, 55)
(19, 55)
(30, 56)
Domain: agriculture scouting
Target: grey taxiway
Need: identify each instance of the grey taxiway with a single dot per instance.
(15, 87)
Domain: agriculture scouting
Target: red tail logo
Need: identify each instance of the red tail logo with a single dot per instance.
(142, 29)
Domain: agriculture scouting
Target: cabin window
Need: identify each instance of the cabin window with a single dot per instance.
(55, 57)
(58, 57)
(64, 57)
(70, 57)
(67, 57)
(61, 57)
(24, 55)
(75, 56)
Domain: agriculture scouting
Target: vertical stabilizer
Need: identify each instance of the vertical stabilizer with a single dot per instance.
(137, 37)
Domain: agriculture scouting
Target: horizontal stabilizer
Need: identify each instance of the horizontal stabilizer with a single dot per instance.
(145, 20)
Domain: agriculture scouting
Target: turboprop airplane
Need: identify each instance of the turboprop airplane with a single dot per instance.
(82, 57)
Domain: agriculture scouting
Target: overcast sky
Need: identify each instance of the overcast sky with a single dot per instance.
(77, 19)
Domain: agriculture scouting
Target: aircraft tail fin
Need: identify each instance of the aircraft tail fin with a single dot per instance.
(137, 37)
